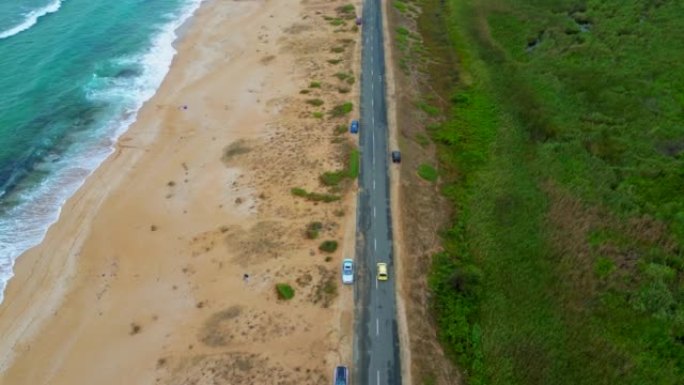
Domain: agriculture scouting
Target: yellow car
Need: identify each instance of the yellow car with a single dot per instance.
(382, 272)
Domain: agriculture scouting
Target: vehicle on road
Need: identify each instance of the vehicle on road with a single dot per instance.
(382, 271)
(358, 20)
(341, 376)
(396, 157)
(348, 271)
(354, 127)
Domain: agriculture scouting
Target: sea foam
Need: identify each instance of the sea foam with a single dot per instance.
(31, 19)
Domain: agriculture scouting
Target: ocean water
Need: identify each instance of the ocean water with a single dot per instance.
(73, 74)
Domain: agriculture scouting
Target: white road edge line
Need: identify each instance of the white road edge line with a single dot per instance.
(378, 377)
(377, 327)
(373, 212)
(375, 244)
(376, 284)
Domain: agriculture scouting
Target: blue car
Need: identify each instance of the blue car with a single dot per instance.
(354, 127)
(341, 376)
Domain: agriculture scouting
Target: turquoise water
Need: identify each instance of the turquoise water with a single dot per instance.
(73, 75)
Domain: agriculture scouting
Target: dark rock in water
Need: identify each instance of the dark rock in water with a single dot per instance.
(127, 73)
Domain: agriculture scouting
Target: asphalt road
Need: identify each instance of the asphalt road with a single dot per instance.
(376, 344)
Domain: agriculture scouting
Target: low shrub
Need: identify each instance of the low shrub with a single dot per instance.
(285, 291)
(313, 196)
(341, 109)
(332, 178)
(315, 102)
(313, 230)
(349, 8)
(427, 172)
(328, 246)
(297, 191)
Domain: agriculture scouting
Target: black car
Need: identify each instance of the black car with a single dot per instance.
(396, 157)
(341, 376)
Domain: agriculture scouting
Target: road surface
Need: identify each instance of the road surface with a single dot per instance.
(376, 342)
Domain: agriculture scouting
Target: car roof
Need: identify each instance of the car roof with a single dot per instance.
(340, 371)
(348, 260)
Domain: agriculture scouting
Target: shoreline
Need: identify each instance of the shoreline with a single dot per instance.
(143, 254)
(75, 169)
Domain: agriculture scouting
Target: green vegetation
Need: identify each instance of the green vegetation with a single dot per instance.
(317, 114)
(562, 152)
(336, 22)
(341, 109)
(402, 38)
(342, 75)
(343, 90)
(313, 196)
(349, 8)
(313, 229)
(422, 139)
(315, 102)
(285, 291)
(304, 92)
(427, 172)
(334, 61)
(400, 6)
(429, 109)
(333, 178)
(337, 49)
(326, 289)
(315, 85)
(328, 246)
(354, 163)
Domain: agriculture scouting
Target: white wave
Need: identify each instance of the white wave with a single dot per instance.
(28, 222)
(31, 19)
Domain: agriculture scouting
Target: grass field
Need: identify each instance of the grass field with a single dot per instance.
(562, 150)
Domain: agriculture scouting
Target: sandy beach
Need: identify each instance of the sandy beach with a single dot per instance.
(142, 279)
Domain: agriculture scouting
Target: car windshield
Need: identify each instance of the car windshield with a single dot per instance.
(347, 267)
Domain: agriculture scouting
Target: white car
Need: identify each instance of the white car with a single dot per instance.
(348, 271)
